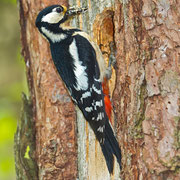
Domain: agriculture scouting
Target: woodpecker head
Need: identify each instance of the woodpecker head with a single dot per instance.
(56, 15)
(49, 20)
(50, 15)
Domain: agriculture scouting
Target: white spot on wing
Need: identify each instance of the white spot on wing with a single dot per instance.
(54, 37)
(100, 116)
(101, 129)
(97, 80)
(88, 109)
(95, 108)
(98, 91)
(99, 103)
(85, 95)
(102, 141)
(81, 75)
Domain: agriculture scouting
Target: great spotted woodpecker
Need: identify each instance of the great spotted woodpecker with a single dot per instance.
(81, 66)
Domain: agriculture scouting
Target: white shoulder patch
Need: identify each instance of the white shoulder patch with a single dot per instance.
(81, 75)
(99, 56)
(54, 37)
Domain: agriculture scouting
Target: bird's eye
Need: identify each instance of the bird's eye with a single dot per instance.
(58, 10)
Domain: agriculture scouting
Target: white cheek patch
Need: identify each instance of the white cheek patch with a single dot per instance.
(52, 18)
(53, 37)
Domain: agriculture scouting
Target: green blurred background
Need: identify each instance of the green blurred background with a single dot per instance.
(12, 84)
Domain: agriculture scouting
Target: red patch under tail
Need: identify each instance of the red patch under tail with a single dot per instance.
(107, 101)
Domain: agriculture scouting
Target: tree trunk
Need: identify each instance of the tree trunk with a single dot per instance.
(53, 111)
(145, 92)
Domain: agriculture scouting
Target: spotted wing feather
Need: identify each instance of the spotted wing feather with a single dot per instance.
(90, 99)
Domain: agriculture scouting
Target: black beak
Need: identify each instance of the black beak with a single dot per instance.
(75, 11)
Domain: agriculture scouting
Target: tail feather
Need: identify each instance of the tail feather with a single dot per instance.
(110, 148)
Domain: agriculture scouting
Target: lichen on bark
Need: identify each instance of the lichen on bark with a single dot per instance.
(24, 149)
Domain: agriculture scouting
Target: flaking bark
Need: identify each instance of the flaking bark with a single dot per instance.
(53, 112)
(147, 92)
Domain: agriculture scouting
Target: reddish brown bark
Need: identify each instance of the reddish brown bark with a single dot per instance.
(147, 91)
(53, 112)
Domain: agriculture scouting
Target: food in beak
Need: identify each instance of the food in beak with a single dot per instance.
(75, 10)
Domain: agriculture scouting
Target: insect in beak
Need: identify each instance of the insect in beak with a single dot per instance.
(75, 11)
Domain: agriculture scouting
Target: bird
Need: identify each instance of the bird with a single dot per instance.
(80, 65)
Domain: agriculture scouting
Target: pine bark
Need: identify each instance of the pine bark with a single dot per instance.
(51, 143)
(53, 112)
(147, 93)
